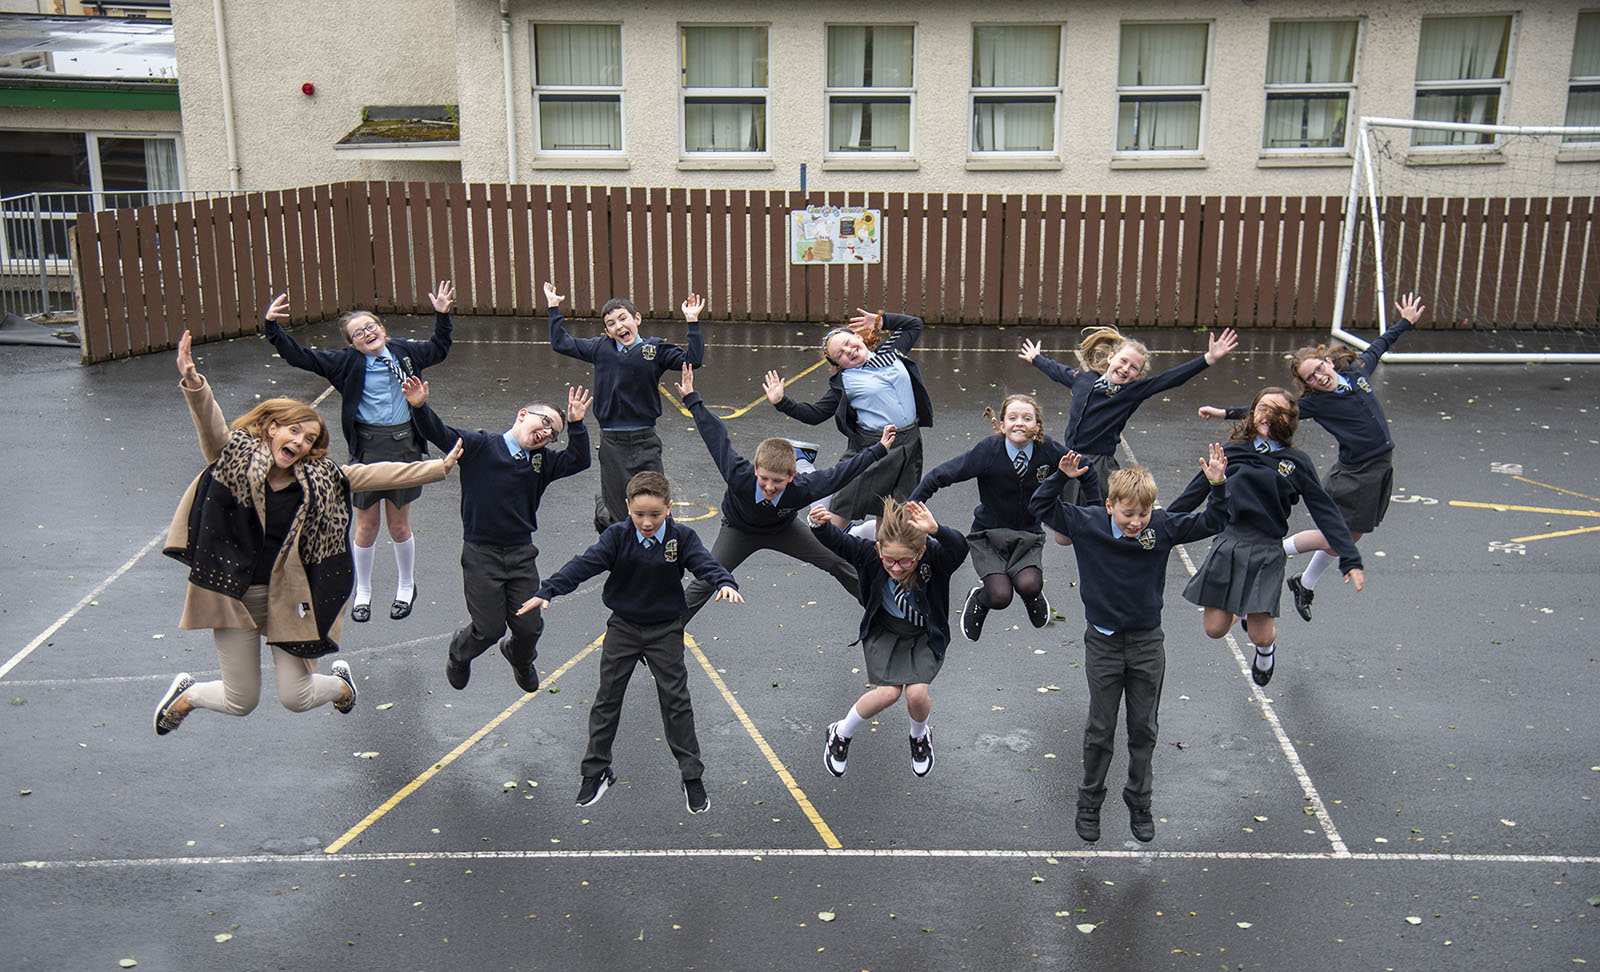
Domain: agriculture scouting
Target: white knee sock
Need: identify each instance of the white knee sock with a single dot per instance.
(363, 558)
(1289, 547)
(1264, 656)
(918, 729)
(850, 723)
(1320, 562)
(405, 558)
(867, 529)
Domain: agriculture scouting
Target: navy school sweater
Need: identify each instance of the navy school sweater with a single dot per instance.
(645, 586)
(946, 550)
(1262, 488)
(1123, 580)
(499, 494)
(1096, 418)
(903, 333)
(1003, 496)
(739, 507)
(625, 382)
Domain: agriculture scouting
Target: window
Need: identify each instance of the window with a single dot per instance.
(578, 87)
(1016, 85)
(1161, 87)
(1311, 68)
(1583, 92)
(870, 79)
(724, 74)
(1461, 76)
(78, 172)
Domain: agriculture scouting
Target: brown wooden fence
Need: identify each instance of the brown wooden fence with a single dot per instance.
(147, 274)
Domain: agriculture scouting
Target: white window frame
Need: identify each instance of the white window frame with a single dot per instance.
(1462, 86)
(1016, 94)
(874, 93)
(1158, 91)
(565, 91)
(754, 95)
(1589, 82)
(1314, 89)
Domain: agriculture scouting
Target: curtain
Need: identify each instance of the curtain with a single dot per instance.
(1162, 54)
(714, 126)
(161, 168)
(1319, 52)
(591, 123)
(1016, 57)
(1313, 121)
(1157, 125)
(725, 57)
(1463, 48)
(587, 55)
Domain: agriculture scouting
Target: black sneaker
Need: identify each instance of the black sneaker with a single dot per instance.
(1261, 676)
(341, 671)
(457, 673)
(1303, 596)
(595, 787)
(1088, 824)
(167, 720)
(922, 754)
(1038, 610)
(527, 678)
(972, 615)
(694, 796)
(836, 752)
(1142, 824)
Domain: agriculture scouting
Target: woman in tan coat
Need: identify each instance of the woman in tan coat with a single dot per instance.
(265, 531)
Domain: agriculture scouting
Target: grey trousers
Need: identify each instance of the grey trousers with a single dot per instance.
(624, 455)
(496, 580)
(1131, 665)
(661, 644)
(733, 546)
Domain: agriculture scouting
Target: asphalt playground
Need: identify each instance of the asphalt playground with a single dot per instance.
(1416, 789)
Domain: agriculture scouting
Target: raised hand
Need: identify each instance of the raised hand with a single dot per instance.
(551, 297)
(1030, 350)
(1410, 307)
(1071, 464)
(279, 309)
(921, 517)
(186, 370)
(454, 456)
(444, 297)
(1219, 345)
(1212, 412)
(692, 306)
(416, 391)
(865, 320)
(773, 386)
(887, 439)
(728, 594)
(685, 386)
(1215, 465)
(577, 404)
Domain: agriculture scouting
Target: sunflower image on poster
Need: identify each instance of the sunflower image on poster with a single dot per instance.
(835, 235)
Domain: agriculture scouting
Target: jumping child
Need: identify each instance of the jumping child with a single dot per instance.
(263, 530)
(377, 425)
(905, 587)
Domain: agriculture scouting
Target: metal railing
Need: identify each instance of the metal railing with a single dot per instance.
(35, 262)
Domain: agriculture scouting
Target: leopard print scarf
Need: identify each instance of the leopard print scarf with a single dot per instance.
(323, 520)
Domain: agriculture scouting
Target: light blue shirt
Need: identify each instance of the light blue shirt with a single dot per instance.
(881, 396)
(512, 446)
(1012, 452)
(1344, 384)
(642, 538)
(1270, 444)
(760, 496)
(889, 589)
(382, 401)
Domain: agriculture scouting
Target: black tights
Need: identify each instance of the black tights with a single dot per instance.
(998, 588)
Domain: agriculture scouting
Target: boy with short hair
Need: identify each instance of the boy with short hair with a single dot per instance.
(1122, 556)
(646, 555)
(627, 368)
(503, 478)
(762, 498)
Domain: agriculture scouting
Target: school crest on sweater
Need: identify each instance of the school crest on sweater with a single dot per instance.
(1042, 473)
(1147, 538)
(1361, 383)
(1286, 467)
(670, 551)
(648, 352)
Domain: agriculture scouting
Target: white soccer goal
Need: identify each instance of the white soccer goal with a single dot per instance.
(1496, 227)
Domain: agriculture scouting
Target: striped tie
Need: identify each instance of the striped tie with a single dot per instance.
(394, 369)
(906, 602)
(881, 359)
(1020, 463)
(1103, 384)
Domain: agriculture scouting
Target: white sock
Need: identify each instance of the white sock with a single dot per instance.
(803, 465)
(1320, 562)
(849, 724)
(867, 529)
(1289, 547)
(405, 558)
(363, 558)
(1264, 656)
(918, 729)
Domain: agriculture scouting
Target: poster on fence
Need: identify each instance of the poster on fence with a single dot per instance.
(835, 235)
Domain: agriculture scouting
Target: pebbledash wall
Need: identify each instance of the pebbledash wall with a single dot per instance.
(430, 52)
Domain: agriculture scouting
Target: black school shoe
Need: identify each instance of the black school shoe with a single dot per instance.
(527, 678)
(972, 615)
(361, 613)
(694, 796)
(457, 673)
(1038, 610)
(602, 513)
(595, 787)
(1142, 824)
(1261, 676)
(400, 610)
(1303, 596)
(1088, 824)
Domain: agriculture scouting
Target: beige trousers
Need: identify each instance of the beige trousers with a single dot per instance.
(239, 653)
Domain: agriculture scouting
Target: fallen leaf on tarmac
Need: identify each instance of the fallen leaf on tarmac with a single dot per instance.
(127, 963)
(1242, 924)
(1508, 823)
(384, 707)
(1037, 879)
(1594, 901)
(1086, 928)
(1261, 820)
(1413, 920)
(368, 755)
(826, 915)
(24, 792)
(1062, 914)
(221, 938)
(641, 936)
(508, 786)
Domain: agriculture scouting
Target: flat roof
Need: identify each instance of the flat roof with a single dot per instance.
(41, 46)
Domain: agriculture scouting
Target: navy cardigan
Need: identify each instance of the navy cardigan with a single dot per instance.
(946, 550)
(903, 333)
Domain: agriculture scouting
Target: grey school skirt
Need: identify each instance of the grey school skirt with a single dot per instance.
(1102, 466)
(896, 652)
(386, 443)
(1239, 575)
(896, 474)
(1002, 551)
(1362, 491)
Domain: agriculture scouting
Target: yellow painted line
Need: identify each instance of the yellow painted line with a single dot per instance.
(470, 741)
(734, 411)
(799, 795)
(1503, 507)
(710, 511)
(1558, 489)
(1550, 536)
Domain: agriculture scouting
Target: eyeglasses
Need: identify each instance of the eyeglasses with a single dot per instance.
(363, 333)
(898, 563)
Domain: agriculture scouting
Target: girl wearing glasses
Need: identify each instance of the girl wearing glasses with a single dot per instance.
(377, 426)
(904, 584)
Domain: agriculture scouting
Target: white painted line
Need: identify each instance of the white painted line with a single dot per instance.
(44, 635)
(756, 853)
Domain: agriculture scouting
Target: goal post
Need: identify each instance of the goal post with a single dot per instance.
(1497, 227)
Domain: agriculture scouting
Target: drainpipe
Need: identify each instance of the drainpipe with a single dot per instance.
(511, 97)
(228, 133)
